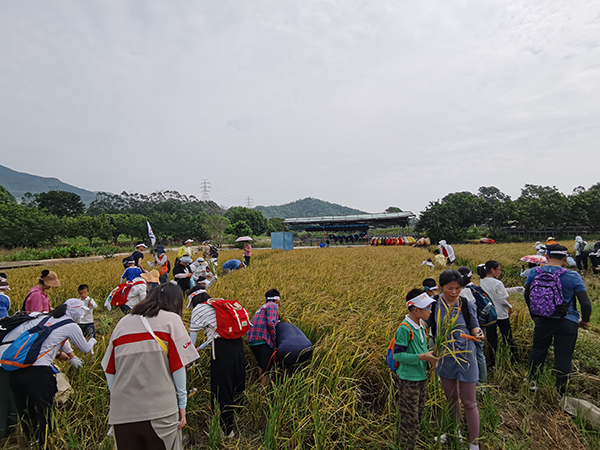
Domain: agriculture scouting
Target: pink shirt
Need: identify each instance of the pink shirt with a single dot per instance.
(37, 300)
(247, 250)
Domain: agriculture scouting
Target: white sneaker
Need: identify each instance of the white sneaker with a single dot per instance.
(443, 439)
(533, 386)
(231, 435)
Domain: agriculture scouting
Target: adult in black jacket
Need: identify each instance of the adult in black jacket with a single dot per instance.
(183, 274)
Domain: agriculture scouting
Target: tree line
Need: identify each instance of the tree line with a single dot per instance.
(538, 206)
(50, 216)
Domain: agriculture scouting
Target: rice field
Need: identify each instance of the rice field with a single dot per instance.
(348, 301)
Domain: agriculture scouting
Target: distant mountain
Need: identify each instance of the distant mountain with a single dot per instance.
(307, 207)
(18, 183)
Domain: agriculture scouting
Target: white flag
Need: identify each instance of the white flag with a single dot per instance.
(151, 234)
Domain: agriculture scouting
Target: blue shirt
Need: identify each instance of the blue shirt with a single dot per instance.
(571, 282)
(131, 273)
(4, 305)
(232, 264)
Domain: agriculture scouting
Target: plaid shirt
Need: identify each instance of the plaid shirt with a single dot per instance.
(263, 324)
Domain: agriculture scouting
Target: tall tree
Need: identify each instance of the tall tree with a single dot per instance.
(253, 218)
(496, 207)
(450, 218)
(59, 203)
(214, 227)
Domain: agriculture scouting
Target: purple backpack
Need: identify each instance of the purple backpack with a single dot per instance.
(546, 295)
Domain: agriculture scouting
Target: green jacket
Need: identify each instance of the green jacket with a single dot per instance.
(410, 343)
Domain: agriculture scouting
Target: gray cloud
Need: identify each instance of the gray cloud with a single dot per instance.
(367, 104)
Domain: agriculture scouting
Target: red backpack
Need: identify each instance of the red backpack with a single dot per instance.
(232, 318)
(119, 294)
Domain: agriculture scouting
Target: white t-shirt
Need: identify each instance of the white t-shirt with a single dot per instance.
(466, 293)
(204, 317)
(89, 315)
(498, 293)
(137, 293)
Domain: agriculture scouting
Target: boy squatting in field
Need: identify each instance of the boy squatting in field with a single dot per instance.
(410, 350)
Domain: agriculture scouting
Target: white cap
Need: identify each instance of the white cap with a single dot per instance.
(75, 303)
(421, 302)
(141, 245)
(189, 240)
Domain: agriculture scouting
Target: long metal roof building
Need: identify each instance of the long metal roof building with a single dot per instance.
(352, 222)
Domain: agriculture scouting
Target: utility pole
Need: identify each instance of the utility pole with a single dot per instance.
(205, 189)
(248, 202)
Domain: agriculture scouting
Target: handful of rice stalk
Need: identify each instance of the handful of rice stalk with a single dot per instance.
(443, 345)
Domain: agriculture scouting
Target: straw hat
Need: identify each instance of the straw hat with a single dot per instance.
(50, 278)
(151, 277)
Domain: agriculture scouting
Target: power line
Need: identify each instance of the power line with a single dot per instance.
(205, 189)
(249, 202)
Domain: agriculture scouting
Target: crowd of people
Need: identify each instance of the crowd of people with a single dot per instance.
(150, 348)
(148, 352)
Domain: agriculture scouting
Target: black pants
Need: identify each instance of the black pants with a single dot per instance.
(8, 409)
(88, 330)
(492, 338)
(595, 260)
(582, 261)
(228, 378)
(247, 261)
(564, 334)
(34, 389)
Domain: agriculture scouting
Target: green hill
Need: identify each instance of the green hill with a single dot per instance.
(307, 207)
(18, 183)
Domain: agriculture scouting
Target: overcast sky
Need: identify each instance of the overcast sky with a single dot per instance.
(364, 103)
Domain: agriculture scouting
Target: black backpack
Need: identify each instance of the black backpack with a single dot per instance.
(214, 253)
(9, 323)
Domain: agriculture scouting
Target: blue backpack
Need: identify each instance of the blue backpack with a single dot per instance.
(25, 350)
(486, 311)
(389, 356)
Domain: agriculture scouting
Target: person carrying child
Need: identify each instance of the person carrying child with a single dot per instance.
(86, 323)
(262, 334)
(410, 350)
(458, 369)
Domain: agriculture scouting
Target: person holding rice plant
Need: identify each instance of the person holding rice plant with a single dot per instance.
(410, 350)
(455, 329)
